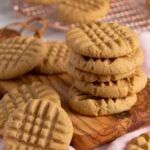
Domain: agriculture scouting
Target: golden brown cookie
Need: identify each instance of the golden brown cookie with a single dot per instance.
(75, 11)
(119, 65)
(55, 59)
(139, 143)
(115, 89)
(20, 55)
(102, 40)
(91, 106)
(46, 2)
(38, 125)
(18, 96)
(91, 77)
(6, 33)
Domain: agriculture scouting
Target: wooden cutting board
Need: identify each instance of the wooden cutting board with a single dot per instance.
(90, 132)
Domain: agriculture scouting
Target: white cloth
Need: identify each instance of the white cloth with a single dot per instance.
(7, 16)
(121, 142)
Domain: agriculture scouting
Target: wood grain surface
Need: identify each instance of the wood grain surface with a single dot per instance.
(90, 132)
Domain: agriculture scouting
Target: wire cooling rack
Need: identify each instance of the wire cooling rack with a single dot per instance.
(132, 13)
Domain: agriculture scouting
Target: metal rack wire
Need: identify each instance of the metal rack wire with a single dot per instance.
(128, 12)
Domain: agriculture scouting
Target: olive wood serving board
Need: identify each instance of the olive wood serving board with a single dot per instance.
(90, 132)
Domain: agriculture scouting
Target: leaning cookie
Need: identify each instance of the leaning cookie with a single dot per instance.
(102, 40)
(39, 125)
(18, 96)
(20, 55)
(55, 59)
(115, 66)
(77, 11)
(91, 77)
(115, 89)
(139, 143)
(91, 106)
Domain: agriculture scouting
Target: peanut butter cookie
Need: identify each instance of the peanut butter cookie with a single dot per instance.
(55, 59)
(91, 106)
(139, 143)
(20, 55)
(91, 77)
(115, 66)
(74, 11)
(102, 40)
(18, 96)
(39, 125)
(115, 89)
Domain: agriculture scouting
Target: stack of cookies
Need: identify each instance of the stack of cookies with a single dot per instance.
(105, 60)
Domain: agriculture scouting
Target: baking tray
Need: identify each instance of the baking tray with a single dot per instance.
(132, 13)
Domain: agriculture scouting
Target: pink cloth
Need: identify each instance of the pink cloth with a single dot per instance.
(145, 43)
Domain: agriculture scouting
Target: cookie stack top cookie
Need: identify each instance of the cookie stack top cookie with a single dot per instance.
(102, 40)
(104, 60)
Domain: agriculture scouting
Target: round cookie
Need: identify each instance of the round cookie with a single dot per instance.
(20, 55)
(102, 40)
(91, 106)
(119, 65)
(38, 125)
(139, 143)
(115, 89)
(55, 59)
(6, 33)
(90, 77)
(18, 96)
(80, 11)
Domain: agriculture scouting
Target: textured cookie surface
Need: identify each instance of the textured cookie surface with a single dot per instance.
(38, 125)
(74, 11)
(115, 89)
(25, 93)
(102, 40)
(92, 106)
(139, 143)
(6, 33)
(90, 77)
(44, 1)
(119, 65)
(20, 55)
(55, 60)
